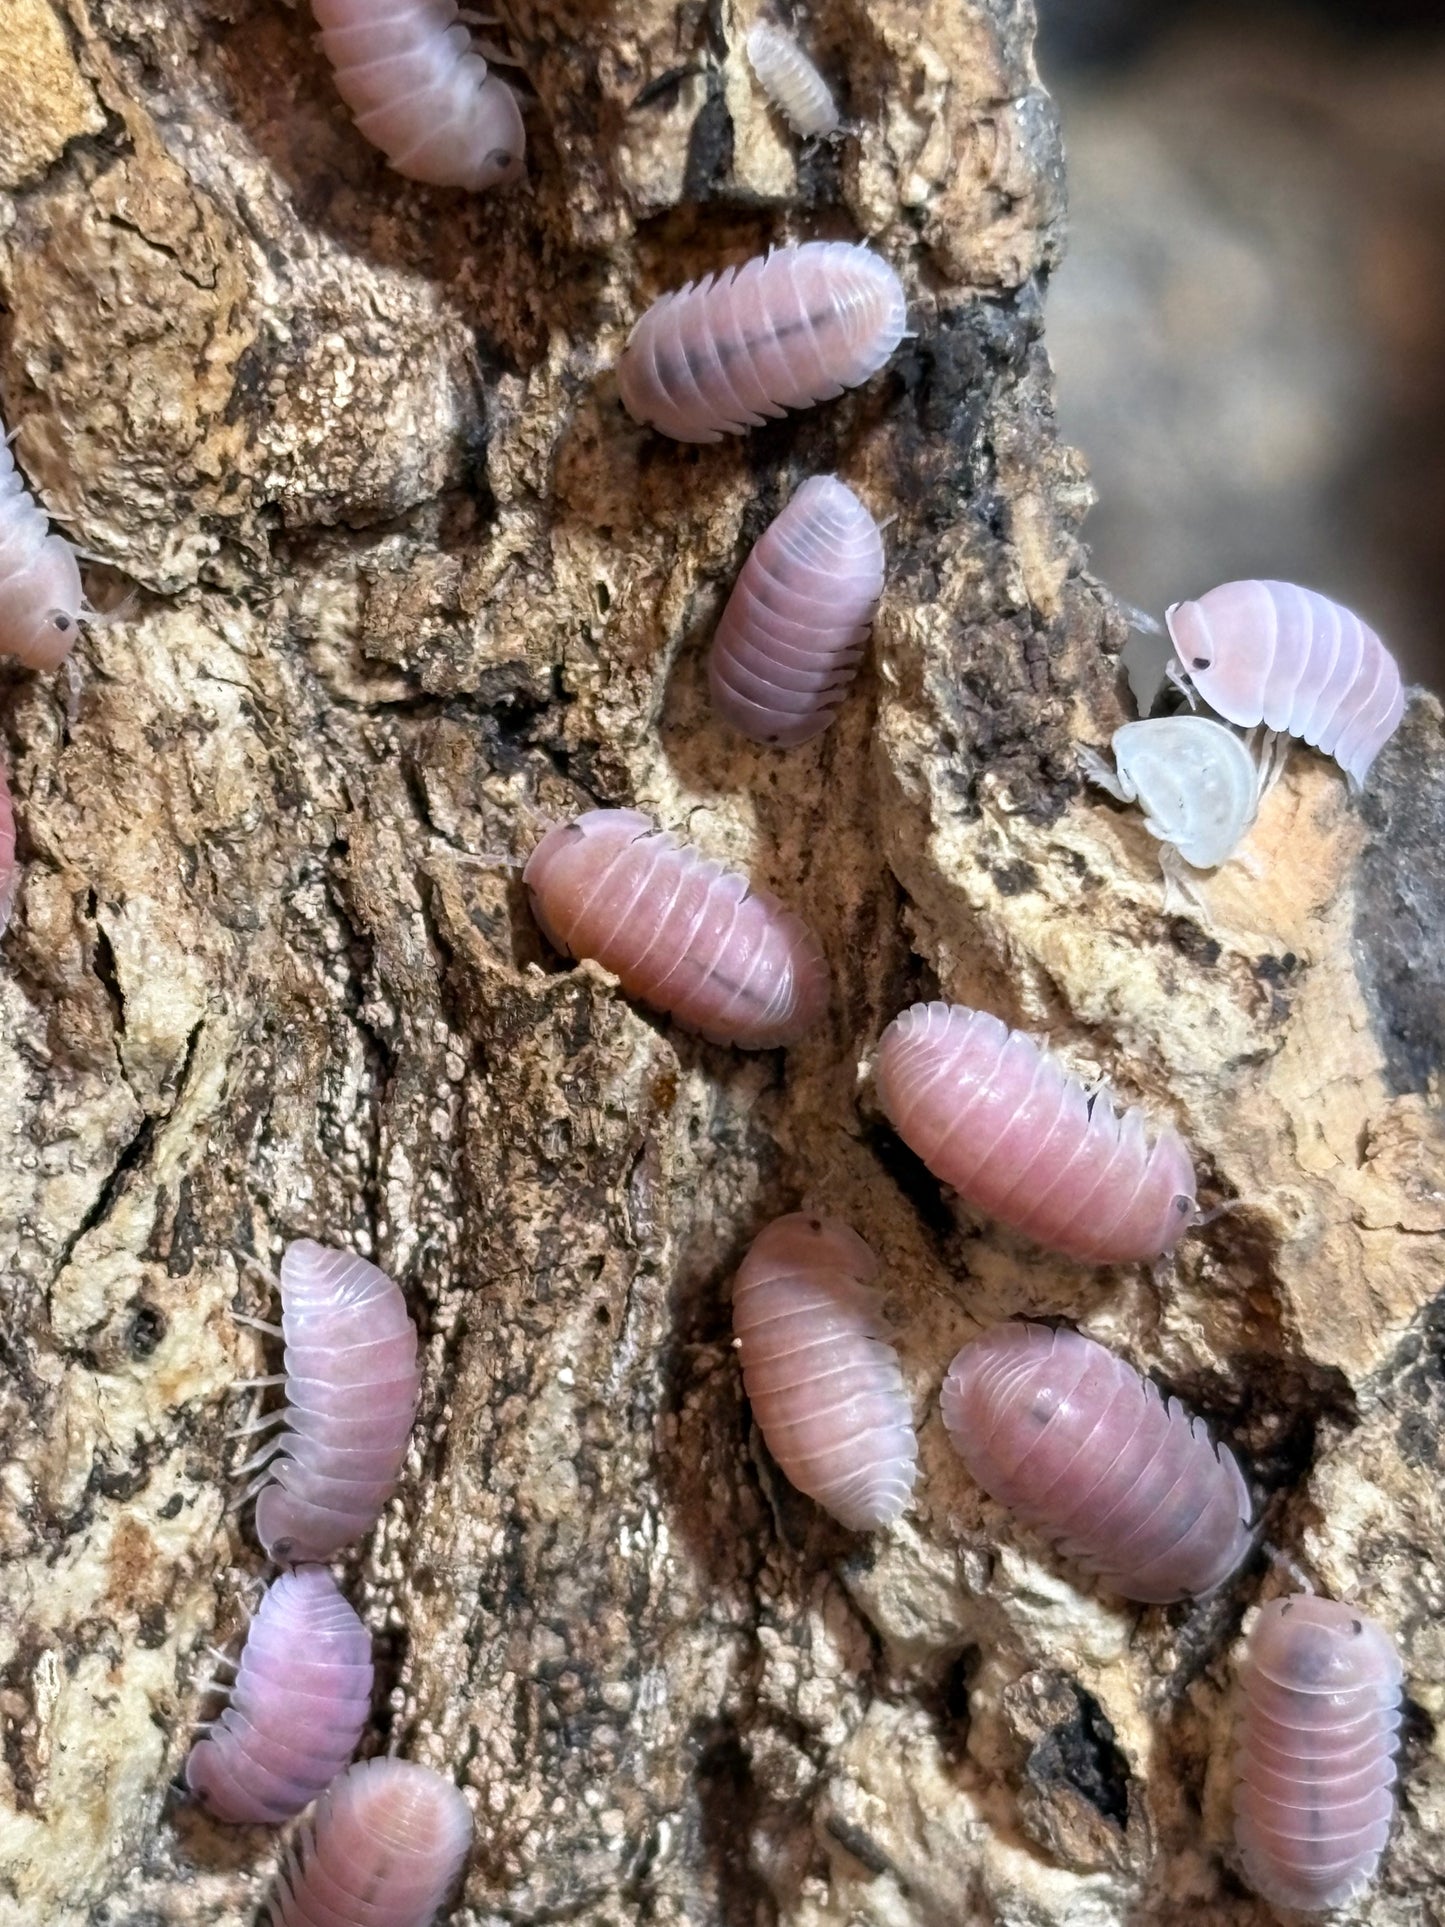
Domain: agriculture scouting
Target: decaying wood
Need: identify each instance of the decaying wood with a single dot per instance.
(408, 581)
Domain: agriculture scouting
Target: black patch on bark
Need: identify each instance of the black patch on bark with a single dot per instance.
(1081, 1753)
(1400, 906)
(710, 148)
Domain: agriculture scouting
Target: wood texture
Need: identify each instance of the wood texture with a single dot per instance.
(408, 580)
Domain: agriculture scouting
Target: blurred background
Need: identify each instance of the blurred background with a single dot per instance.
(1249, 328)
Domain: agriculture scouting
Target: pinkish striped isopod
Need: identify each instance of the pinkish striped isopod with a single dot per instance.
(351, 1383)
(1319, 1714)
(298, 1706)
(383, 1849)
(796, 624)
(420, 91)
(1021, 1140)
(678, 930)
(791, 81)
(1087, 1453)
(41, 601)
(1273, 653)
(788, 329)
(9, 874)
(822, 1378)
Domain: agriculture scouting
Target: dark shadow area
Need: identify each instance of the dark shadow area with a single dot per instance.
(1249, 325)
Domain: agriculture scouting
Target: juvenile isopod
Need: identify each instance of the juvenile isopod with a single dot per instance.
(351, 1384)
(1195, 780)
(788, 329)
(1273, 653)
(297, 1709)
(796, 624)
(9, 878)
(1021, 1140)
(1318, 1720)
(383, 1849)
(791, 81)
(421, 93)
(41, 600)
(822, 1379)
(680, 932)
(1088, 1455)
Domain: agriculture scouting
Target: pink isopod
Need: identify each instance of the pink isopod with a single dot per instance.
(678, 930)
(297, 1709)
(795, 626)
(351, 1382)
(9, 876)
(1319, 1716)
(420, 91)
(788, 329)
(1088, 1455)
(823, 1380)
(1273, 653)
(383, 1849)
(1021, 1140)
(42, 603)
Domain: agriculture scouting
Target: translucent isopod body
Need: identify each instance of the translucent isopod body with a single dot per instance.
(421, 93)
(1020, 1139)
(383, 1849)
(1273, 653)
(1088, 1455)
(790, 328)
(822, 1379)
(791, 81)
(351, 1389)
(1317, 1725)
(298, 1706)
(41, 599)
(9, 876)
(678, 930)
(796, 624)
(1195, 781)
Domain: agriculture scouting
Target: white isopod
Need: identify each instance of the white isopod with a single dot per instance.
(41, 601)
(1195, 780)
(791, 81)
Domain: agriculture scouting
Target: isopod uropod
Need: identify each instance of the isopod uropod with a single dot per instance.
(1086, 1452)
(822, 1379)
(1020, 1139)
(678, 930)
(791, 81)
(421, 93)
(9, 879)
(42, 602)
(351, 1383)
(297, 1709)
(384, 1847)
(1318, 1719)
(1195, 780)
(794, 630)
(788, 329)
(1273, 653)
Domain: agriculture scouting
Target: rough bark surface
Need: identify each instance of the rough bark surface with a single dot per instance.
(406, 581)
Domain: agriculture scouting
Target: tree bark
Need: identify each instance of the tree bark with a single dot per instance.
(407, 582)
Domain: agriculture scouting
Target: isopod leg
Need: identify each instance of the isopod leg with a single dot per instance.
(1104, 776)
(1175, 674)
(1179, 877)
(257, 1324)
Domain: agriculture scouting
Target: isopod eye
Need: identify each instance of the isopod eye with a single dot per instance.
(60, 621)
(1182, 1205)
(1356, 1628)
(1201, 662)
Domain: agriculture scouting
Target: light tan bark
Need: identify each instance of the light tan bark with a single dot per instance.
(409, 578)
